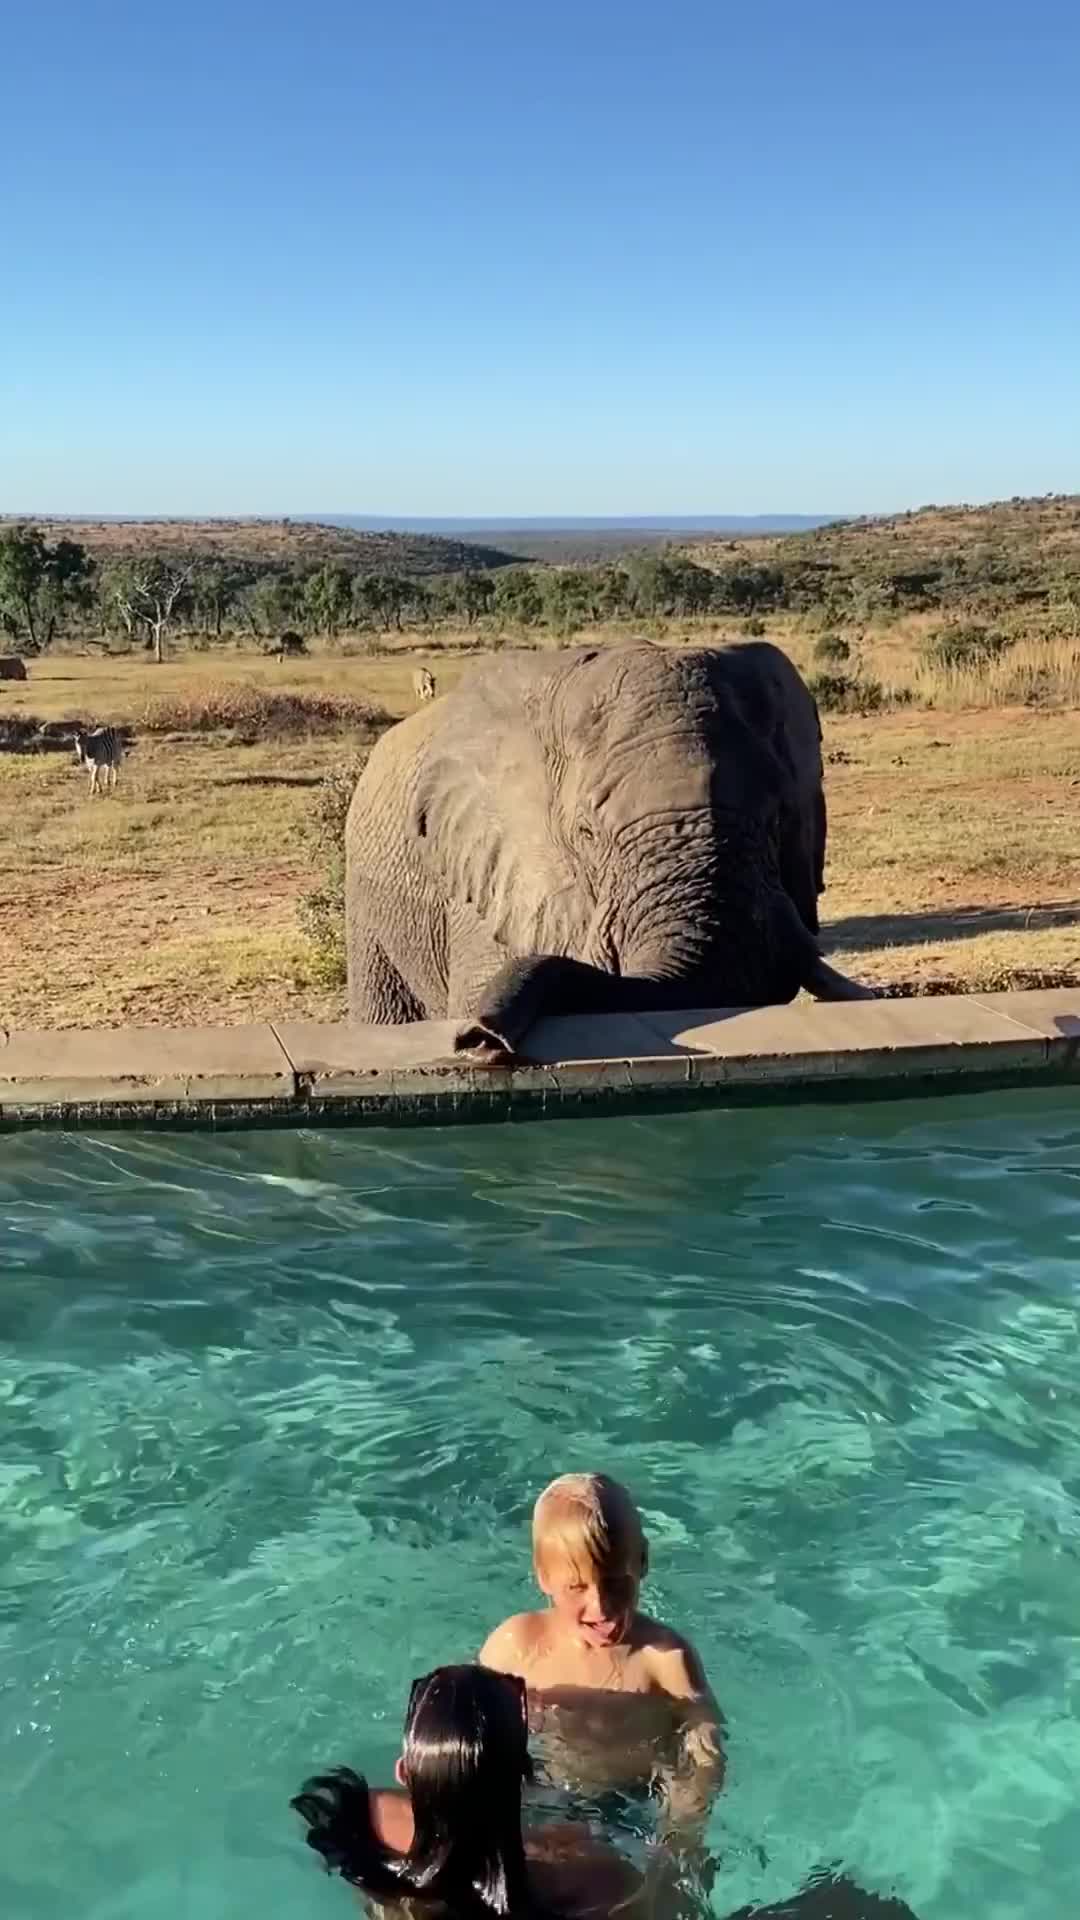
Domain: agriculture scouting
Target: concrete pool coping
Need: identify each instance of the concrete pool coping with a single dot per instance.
(298, 1070)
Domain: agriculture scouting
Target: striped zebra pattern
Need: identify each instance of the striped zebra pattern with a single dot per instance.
(101, 749)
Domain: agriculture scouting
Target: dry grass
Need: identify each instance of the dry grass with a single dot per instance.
(249, 713)
(952, 851)
(1031, 673)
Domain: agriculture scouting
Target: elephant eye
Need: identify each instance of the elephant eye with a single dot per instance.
(586, 830)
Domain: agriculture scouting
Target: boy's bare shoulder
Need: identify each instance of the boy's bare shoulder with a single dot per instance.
(516, 1641)
(672, 1660)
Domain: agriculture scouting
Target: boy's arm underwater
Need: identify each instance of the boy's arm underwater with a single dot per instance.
(692, 1781)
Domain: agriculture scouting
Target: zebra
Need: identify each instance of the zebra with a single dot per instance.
(423, 684)
(97, 748)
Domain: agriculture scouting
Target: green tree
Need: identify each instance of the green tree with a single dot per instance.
(215, 590)
(383, 599)
(271, 603)
(568, 597)
(41, 584)
(327, 599)
(517, 597)
(666, 584)
(746, 589)
(473, 593)
(612, 596)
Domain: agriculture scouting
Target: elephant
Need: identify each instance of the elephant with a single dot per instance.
(627, 828)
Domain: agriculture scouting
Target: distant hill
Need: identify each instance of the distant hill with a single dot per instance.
(1041, 525)
(1004, 556)
(276, 543)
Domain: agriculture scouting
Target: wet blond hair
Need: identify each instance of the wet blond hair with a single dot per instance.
(590, 1520)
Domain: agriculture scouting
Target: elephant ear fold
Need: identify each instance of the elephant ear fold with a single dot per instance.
(482, 802)
(779, 710)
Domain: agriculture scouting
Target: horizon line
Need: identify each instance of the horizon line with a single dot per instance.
(444, 519)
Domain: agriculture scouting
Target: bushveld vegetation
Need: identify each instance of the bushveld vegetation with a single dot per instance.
(939, 606)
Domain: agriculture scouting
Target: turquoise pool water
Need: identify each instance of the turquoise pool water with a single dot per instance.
(273, 1409)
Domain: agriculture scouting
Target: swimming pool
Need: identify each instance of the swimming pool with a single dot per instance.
(273, 1408)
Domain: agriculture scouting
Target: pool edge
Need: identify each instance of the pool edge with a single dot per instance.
(301, 1073)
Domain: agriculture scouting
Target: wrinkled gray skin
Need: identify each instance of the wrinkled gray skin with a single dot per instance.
(631, 828)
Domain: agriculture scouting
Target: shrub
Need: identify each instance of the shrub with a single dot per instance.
(846, 693)
(754, 628)
(965, 644)
(251, 713)
(832, 648)
(321, 912)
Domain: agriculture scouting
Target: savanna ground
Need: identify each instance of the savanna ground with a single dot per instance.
(953, 859)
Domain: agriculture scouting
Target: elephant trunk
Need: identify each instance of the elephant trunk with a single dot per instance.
(711, 926)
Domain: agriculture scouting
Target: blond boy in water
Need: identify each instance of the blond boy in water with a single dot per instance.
(619, 1698)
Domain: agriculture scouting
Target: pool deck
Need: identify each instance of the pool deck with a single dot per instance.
(296, 1071)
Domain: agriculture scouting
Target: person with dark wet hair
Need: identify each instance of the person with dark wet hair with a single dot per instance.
(449, 1839)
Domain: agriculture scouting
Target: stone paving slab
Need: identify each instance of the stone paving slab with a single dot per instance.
(1051, 1011)
(339, 1061)
(853, 1039)
(590, 1055)
(143, 1064)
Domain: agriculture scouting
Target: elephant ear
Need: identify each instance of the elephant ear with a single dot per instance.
(482, 805)
(777, 706)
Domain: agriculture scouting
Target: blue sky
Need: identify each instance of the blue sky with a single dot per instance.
(597, 258)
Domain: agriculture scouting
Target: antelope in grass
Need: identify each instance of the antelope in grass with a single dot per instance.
(423, 685)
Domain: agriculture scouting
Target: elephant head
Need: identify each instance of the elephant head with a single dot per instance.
(630, 827)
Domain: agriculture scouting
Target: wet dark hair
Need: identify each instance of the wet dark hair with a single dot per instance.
(466, 1756)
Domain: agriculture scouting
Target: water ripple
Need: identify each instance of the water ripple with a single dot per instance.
(274, 1409)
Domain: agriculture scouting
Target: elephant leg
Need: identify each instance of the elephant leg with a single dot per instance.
(802, 860)
(819, 837)
(377, 993)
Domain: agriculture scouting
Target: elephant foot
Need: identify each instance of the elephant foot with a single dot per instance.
(473, 1047)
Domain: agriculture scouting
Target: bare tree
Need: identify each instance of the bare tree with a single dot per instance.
(148, 594)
